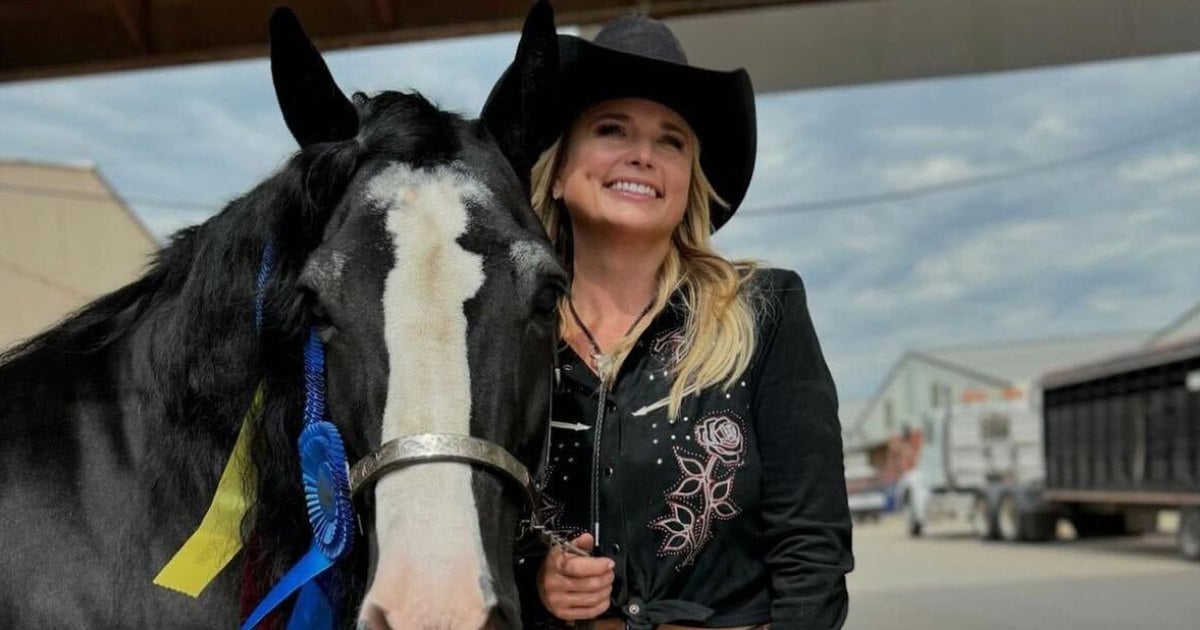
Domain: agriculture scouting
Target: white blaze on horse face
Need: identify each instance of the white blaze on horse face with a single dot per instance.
(431, 567)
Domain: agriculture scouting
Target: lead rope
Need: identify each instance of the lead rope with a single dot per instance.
(548, 535)
(598, 425)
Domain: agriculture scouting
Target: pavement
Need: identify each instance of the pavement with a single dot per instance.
(948, 579)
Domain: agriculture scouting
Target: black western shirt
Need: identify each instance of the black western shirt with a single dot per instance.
(734, 513)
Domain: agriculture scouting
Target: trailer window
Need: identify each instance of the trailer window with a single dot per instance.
(994, 427)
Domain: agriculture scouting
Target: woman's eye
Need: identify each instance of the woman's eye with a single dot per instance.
(675, 142)
(610, 129)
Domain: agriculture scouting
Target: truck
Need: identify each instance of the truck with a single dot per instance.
(866, 494)
(980, 458)
(1106, 446)
(1122, 443)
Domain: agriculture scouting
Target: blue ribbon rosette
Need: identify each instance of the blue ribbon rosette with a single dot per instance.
(330, 512)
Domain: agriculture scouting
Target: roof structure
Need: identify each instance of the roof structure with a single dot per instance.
(1183, 327)
(1139, 359)
(1019, 361)
(785, 44)
(65, 239)
(1003, 364)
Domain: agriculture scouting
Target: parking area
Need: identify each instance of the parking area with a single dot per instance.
(950, 580)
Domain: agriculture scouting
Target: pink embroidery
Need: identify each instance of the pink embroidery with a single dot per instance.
(703, 493)
(721, 437)
(668, 347)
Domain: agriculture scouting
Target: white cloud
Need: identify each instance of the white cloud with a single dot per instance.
(1161, 167)
(938, 169)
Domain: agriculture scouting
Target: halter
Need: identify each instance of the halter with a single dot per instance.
(330, 484)
(425, 448)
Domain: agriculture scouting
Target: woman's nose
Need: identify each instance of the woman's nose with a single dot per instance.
(641, 153)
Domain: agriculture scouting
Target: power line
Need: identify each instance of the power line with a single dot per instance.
(1037, 168)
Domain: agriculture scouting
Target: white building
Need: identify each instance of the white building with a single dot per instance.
(925, 379)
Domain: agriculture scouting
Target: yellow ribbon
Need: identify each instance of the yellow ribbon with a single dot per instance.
(218, 538)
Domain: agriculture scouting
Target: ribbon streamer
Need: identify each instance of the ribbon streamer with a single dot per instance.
(218, 538)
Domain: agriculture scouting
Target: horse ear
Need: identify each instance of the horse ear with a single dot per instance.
(313, 106)
(520, 110)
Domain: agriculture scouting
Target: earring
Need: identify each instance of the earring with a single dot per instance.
(556, 193)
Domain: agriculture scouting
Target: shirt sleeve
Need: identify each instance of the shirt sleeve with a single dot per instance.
(805, 519)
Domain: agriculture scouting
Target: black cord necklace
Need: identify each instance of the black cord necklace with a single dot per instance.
(596, 353)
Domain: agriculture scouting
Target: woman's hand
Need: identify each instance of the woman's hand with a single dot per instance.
(575, 587)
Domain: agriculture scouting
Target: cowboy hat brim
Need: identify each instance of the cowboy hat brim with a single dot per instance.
(719, 107)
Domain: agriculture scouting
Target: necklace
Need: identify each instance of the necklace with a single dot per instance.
(602, 395)
(596, 353)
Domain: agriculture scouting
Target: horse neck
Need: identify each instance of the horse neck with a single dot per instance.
(187, 360)
(194, 374)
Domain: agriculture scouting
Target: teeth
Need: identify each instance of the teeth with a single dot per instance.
(637, 189)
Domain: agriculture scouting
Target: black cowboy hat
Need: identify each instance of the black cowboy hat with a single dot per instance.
(636, 56)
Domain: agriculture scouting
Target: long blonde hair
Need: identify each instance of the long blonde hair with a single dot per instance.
(717, 295)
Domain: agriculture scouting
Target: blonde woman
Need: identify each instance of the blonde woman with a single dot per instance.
(695, 450)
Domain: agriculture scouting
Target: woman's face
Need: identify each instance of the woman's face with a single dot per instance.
(627, 169)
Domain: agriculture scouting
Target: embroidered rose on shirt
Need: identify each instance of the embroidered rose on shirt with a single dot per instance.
(721, 437)
(704, 491)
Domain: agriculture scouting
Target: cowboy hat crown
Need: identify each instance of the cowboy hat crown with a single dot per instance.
(638, 57)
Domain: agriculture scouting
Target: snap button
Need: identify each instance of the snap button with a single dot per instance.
(633, 609)
(616, 549)
(608, 472)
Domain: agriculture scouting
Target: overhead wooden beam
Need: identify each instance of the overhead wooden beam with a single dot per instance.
(133, 15)
(386, 14)
(46, 38)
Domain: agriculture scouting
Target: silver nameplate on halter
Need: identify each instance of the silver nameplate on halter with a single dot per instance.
(435, 447)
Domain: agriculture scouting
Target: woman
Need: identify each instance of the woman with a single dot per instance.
(695, 450)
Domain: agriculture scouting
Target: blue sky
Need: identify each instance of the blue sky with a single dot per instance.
(1051, 202)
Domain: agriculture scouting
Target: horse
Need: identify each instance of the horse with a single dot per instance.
(402, 235)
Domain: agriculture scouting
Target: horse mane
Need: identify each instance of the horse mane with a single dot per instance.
(184, 332)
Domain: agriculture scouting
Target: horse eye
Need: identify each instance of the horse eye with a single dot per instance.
(317, 311)
(545, 302)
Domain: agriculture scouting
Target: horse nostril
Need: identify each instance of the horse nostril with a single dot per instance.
(373, 619)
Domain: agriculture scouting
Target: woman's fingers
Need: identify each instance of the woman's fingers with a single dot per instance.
(567, 600)
(584, 567)
(575, 614)
(598, 585)
(576, 587)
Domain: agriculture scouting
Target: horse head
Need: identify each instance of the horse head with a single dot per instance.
(434, 291)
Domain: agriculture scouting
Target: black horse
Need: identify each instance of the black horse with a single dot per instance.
(404, 234)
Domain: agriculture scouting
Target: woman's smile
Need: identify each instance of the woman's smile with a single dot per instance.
(634, 190)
